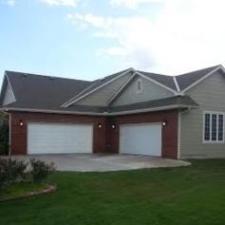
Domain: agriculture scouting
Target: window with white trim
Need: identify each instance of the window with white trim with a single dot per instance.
(213, 127)
(139, 87)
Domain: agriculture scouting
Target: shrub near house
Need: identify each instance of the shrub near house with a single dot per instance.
(18, 180)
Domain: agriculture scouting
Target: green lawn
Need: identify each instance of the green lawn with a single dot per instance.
(179, 196)
(21, 189)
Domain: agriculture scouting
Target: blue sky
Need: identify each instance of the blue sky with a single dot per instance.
(87, 39)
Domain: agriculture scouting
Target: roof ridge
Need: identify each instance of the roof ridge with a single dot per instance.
(198, 70)
(141, 71)
(44, 76)
(117, 73)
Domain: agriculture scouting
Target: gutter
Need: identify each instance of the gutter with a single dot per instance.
(163, 108)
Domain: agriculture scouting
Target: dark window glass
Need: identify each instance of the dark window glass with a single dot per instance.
(214, 127)
(220, 128)
(207, 127)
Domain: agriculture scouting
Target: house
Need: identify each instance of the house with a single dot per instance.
(130, 112)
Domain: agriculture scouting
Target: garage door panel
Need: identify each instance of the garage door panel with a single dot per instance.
(46, 138)
(141, 139)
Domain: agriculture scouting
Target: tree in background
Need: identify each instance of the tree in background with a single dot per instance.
(4, 133)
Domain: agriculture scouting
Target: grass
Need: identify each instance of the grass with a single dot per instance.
(177, 196)
(21, 189)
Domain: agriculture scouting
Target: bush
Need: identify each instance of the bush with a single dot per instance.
(11, 171)
(3, 173)
(14, 171)
(40, 170)
(4, 134)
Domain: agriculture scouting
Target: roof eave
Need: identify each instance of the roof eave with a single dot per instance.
(126, 112)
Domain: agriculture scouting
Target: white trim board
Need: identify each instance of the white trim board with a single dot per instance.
(204, 77)
(7, 83)
(176, 84)
(203, 127)
(95, 114)
(68, 103)
(156, 82)
(116, 94)
(77, 95)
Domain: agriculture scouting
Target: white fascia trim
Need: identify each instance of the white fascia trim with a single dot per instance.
(76, 96)
(203, 127)
(10, 85)
(51, 111)
(97, 88)
(114, 96)
(204, 77)
(5, 109)
(3, 81)
(158, 83)
(176, 84)
(148, 110)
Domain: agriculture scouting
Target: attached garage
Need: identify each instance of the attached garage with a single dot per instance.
(141, 139)
(59, 138)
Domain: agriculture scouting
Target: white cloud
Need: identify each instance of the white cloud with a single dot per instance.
(185, 35)
(132, 4)
(9, 2)
(71, 3)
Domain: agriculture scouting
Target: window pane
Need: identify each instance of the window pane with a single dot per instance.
(207, 127)
(214, 127)
(220, 128)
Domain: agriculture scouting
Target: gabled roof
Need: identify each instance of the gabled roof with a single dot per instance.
(96, 84)
(163, 79)
(175, 84)
(46, 93)
(43, 91)
(186, 79)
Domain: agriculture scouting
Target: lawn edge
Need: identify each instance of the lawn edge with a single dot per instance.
(47, 190)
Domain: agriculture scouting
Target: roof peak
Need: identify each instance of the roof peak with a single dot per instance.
(130, 69)
(199, 70)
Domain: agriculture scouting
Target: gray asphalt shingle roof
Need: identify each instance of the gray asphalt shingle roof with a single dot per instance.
(180, 101)
(163, 79)
(185, 80)
(49, 93)
(43, 91)
(97, 83)
(175, 101)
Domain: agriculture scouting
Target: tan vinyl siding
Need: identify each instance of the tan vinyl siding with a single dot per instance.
(150, 91)
(210, 95)
(9, 96)
(103, 95)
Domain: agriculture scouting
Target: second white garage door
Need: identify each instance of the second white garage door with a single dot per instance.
(141, 139)
(51, 138)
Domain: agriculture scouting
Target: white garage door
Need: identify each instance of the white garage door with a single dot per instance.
(141, 139)
(51, 138)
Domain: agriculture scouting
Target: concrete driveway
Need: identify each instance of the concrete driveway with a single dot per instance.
(100, 162)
